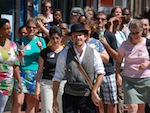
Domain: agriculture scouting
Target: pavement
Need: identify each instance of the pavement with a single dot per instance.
(9, 106)
(22, 111)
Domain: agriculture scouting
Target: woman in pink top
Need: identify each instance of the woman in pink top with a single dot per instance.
(9, 64)
(136, 73)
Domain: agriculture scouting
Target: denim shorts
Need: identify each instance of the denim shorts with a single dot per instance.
(3, 101)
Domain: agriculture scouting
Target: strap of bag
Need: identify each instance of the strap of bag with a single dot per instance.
(148, 45)
(73, 54)
(100, 108)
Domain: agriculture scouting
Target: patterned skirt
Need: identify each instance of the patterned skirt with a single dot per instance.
(28, 78)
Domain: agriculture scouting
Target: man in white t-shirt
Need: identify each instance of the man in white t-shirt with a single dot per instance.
(47, 10)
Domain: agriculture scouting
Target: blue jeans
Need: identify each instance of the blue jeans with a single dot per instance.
(3, 101)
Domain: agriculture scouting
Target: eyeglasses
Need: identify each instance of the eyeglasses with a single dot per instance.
(101, 19)
(47, 7)
(136, 33)
(29, 27)
(63, 28)
(45, 23)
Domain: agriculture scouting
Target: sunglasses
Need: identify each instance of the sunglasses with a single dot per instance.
(136, 33)
(47, 7)
(45, 23)
(126, 14)
(63, 28)
(101, 19)
(29, 27)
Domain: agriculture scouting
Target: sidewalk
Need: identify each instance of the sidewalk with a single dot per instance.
(22, 111)
(9, 106)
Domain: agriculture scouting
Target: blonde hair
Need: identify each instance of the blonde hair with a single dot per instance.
(41, 17)
(92, 24)
(30, 20)
(46, 1)
(136, 24)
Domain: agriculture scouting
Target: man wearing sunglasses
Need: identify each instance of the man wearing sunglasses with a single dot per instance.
(108, 87)
(47, 10)
(127, 19)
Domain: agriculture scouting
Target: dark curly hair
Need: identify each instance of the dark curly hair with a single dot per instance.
(3, 21)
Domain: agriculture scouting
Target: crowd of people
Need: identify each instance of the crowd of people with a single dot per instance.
(54, 62)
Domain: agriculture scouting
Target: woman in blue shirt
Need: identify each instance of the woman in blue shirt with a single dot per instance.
(31, 47)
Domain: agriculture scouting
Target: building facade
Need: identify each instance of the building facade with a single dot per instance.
(17, 10)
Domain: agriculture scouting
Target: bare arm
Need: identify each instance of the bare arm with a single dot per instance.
(55, 91)
(95, 96)
(110, 51)
(43, 28)
(104, 56)
(110, 24)
(17, 76)
(118, 65)
(39, 74)
(113, 23)
(144, 65)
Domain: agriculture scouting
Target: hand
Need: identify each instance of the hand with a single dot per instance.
(95, 98)
(19, 87)
(37, 96)
(55, 106)
(21, 52)
(144, 65)
(40, 23)
(111, 20)
(118, 80)
(115, 18)
(37, 93)
(39, 44)
(104, 41)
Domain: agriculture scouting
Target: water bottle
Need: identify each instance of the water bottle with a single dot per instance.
(101, 33)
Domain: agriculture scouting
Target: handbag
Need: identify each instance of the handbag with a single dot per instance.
(100, 108)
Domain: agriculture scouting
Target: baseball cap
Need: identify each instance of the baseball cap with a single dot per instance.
(76, 11)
